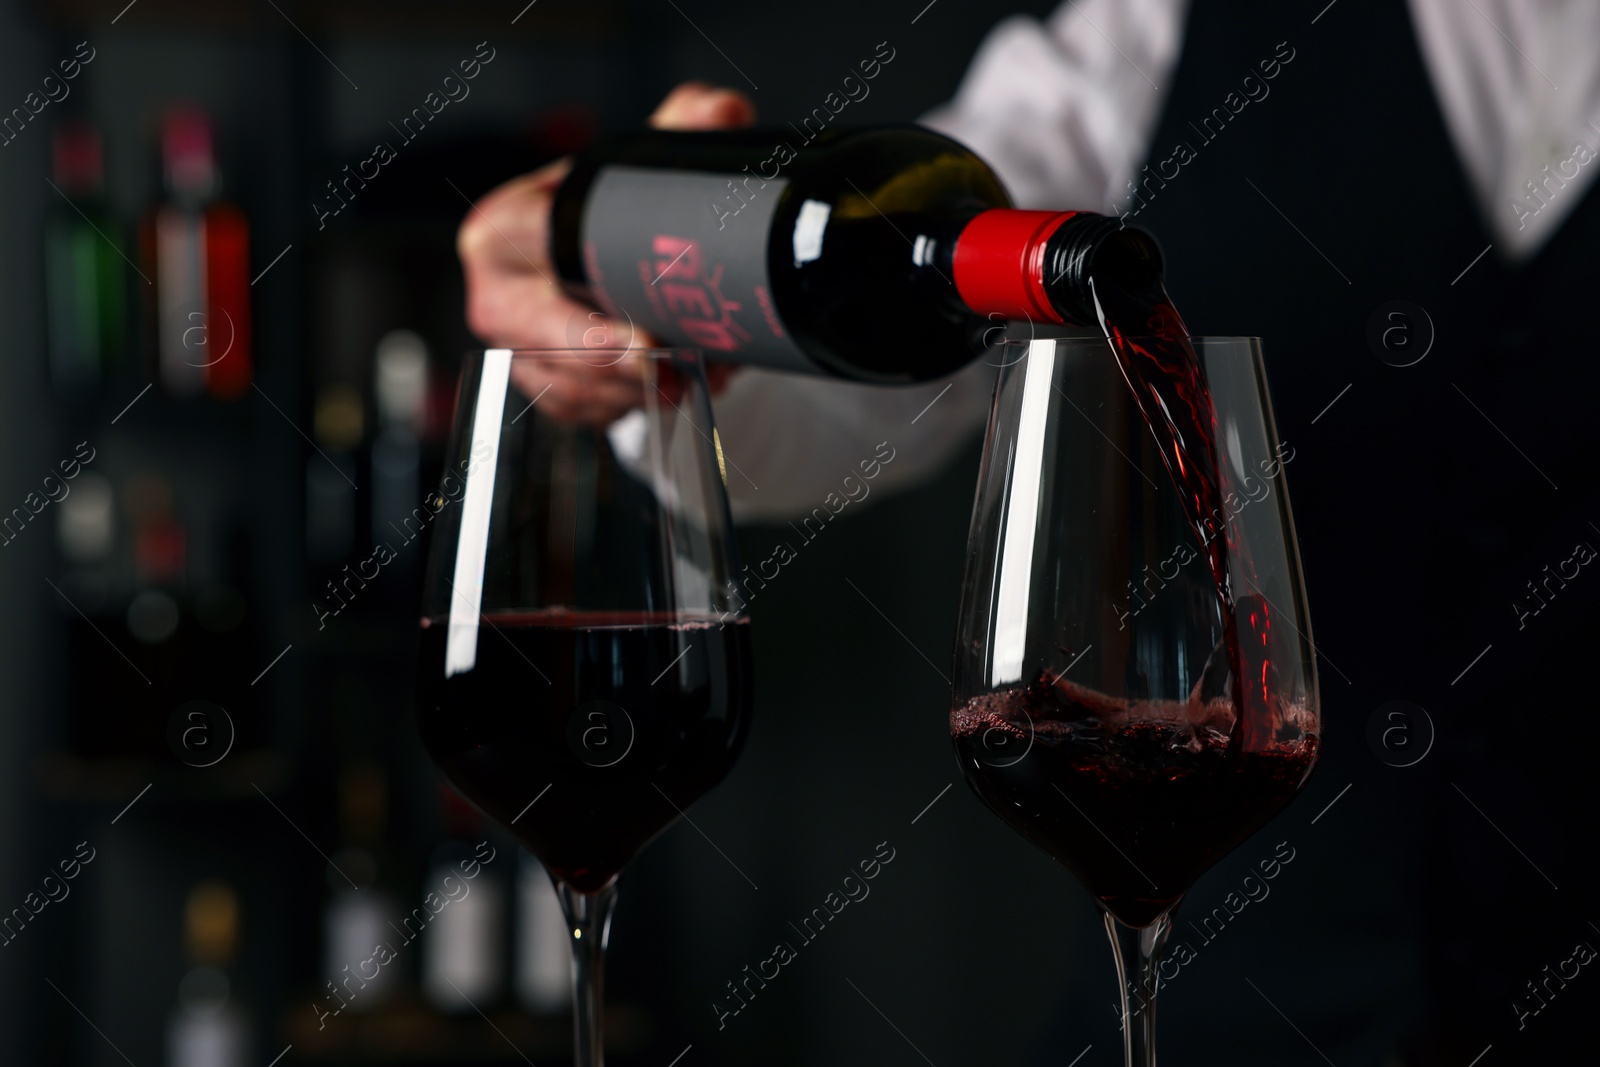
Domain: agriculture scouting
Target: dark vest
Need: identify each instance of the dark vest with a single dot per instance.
(1426, 497)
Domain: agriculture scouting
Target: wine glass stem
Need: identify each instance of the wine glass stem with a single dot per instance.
(588, 924)
(1137, 953)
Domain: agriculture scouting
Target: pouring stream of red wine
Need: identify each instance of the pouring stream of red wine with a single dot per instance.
(1151, 345)
(1140, 794)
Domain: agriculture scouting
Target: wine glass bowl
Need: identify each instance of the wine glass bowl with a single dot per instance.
(1135, 685)
(584, 671)
(615, 752)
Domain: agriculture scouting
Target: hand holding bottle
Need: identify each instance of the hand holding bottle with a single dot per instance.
(514, 299)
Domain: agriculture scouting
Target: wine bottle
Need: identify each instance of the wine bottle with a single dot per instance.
(199, 246)
(209, 1027)
(463, 946)
(84, 279)
(339, 426)
(361, 913)
(543, 955)
(400, 381)
(885, 255)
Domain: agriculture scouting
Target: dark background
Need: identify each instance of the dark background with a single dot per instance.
(972, 948)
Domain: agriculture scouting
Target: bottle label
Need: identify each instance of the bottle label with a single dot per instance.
(674, 252)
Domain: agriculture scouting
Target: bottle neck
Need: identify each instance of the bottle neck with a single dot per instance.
(1037, 265)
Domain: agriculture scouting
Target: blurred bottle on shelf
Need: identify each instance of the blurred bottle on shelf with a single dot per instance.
(208, 1028)
(86, 522)
(198, 247)
(338, 425)
(160, 554)
(463, 945)
(400, 377)
(127, 657)
(160, 542)
(362, 913)
(543, 956)
(153, 619)
(85, 281)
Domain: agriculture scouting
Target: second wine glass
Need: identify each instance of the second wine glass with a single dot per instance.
(584, 669)
(1135, 686)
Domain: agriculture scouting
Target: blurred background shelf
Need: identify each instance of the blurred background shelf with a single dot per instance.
(66, 778)
(211, 529)
(410, 1033)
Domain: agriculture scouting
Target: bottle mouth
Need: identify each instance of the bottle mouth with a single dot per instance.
(1106, 249)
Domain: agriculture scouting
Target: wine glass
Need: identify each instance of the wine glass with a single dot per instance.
(584, 667)
(1135, 680)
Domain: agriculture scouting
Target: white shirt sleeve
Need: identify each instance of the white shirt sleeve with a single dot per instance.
(1064, 111)
(1519, 85)
(791, 439)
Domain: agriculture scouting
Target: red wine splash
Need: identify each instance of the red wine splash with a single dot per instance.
(1151, 345)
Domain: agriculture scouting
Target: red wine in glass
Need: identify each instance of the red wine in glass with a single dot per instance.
(1138, 799)
(586, 732)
